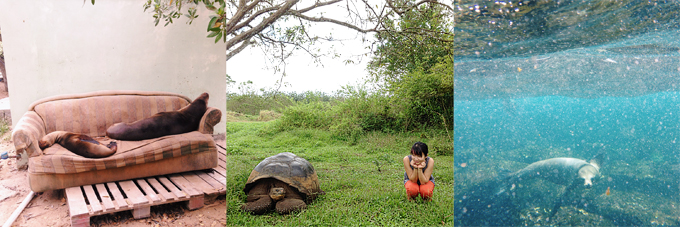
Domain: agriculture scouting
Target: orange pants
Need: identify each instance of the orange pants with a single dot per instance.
(425, 190)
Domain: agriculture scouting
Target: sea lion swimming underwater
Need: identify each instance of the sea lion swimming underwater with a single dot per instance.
(161, 124)
(570, 172)
(79, 144)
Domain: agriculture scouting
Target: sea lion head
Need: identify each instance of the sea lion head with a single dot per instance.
(588, 172)
(203, 97)
(50, 139)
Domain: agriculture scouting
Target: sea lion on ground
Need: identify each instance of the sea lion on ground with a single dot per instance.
(162, 124)
(79, 144)
(570, 172)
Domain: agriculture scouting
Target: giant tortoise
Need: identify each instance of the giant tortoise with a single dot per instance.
(284, 181)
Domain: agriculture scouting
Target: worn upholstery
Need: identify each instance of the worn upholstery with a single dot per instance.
(91, 114)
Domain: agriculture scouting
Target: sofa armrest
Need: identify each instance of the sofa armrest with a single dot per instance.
(26, 134)
(211, 117)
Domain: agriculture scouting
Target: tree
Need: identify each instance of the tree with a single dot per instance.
(414, 63)
(282, 26)
(415, 40)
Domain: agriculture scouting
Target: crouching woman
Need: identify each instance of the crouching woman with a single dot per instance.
(418, 178)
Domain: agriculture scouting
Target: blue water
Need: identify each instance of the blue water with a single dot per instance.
(631, 114)
(535, 80)
(639, 135)
(620, 123)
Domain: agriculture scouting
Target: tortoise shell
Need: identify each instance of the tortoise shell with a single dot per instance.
(291, 169)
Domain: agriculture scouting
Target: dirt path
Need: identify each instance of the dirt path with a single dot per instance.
(50, 208)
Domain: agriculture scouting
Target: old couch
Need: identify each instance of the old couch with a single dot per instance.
(91, 114)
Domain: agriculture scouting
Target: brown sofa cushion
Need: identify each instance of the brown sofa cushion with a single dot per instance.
(58, 160)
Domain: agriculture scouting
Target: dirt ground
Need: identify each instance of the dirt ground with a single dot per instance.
(50, 208)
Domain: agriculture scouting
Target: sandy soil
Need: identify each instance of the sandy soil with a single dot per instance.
(50, 208)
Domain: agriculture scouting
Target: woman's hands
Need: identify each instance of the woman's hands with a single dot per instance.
(411, 170)
(417, 165)
(419, 172)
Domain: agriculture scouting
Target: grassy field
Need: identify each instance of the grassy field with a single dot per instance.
(363, 182)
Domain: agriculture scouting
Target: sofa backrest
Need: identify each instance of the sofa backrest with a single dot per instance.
(92, 113)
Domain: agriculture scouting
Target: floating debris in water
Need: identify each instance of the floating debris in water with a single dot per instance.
(519, 69)
(607, 193)
(464, 164)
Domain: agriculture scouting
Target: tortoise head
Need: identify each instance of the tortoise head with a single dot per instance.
(277, 193)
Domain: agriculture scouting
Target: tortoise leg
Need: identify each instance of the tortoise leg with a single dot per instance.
(288, 205)
(257, 204)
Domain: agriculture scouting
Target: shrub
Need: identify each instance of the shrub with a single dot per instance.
(310, 115)
(268, 115)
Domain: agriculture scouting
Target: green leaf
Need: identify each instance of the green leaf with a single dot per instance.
(211, 24)
(219, 36)
(213, 34)
(220, 11)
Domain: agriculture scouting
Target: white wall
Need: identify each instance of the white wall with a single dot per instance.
(67, 47)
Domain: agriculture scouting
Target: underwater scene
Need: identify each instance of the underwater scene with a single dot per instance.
(567, 113)
(639, 176)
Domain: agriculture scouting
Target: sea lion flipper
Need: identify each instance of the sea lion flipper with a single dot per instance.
(598, 160)
(503, 178)
(113, 146)
(562, 198)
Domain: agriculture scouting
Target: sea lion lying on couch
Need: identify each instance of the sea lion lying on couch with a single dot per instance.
(79, 144)
(161, 124)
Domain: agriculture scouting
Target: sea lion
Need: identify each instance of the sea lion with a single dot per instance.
(79, 144)
(562, 171)
(570, 172)
(162, 124)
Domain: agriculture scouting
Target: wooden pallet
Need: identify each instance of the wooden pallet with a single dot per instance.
(138, 195)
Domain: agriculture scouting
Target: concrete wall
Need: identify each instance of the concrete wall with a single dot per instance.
(67, 47)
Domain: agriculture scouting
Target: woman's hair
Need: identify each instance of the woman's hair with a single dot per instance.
(419, 149)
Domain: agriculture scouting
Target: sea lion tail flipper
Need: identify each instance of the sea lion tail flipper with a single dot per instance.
(503, 177)
(503, 174)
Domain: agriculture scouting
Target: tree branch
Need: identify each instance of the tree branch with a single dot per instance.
(289, 43)
(242, 10)
(263, 24)
(396, 9)
(318, 4)
(243, 45)
(323, 19)
(251, 18)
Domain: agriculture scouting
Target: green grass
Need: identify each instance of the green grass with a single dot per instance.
(357, 194)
